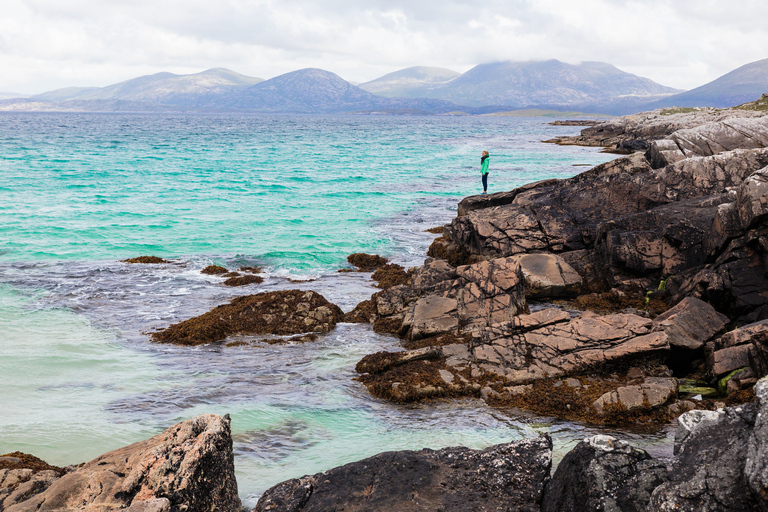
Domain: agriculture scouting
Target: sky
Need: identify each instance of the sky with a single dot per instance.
(51, 44)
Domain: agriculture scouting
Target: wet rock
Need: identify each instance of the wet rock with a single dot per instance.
(603, 474)
(548, 275)
(366, 262)
(587, 344)
(708, 471)
(146, 260)
(506, 477)
(243, 280)
(390, 275)
(190, 464)
(284, 312)
(214, 270)
(364, 313)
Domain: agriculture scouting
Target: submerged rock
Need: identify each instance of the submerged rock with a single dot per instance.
(366, 262)
(283, 312)
(506, 477)
(214, 270)
(190, 466)
(146, 260)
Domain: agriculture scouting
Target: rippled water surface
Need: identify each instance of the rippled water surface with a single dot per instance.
(294, 194)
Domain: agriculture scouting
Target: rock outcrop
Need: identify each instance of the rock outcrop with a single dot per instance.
(190, 466)
(694, 206)
(507, 477)
(442, 299)
(284, 313)
(603, 474)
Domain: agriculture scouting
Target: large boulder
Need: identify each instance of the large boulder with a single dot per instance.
(506, 477)
(188, 467)
(603, 474)
(690, 323)
(283, 312)
(708, 471)
(548, 275)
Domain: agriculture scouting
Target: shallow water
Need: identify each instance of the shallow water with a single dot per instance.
(294, 194)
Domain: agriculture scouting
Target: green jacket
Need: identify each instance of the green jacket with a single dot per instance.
(484, 161)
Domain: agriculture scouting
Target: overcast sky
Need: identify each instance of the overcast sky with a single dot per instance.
(49, 44)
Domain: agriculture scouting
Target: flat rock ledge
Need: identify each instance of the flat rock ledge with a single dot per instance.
(286, 313)
(188, 467)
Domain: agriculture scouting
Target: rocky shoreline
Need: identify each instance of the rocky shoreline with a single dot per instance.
(719, 465)
(635, 292)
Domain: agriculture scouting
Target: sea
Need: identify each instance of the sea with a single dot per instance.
(293, 194)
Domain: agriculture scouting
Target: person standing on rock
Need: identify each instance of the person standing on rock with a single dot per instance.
(484, 162)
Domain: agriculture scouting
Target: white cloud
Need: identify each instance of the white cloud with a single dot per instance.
(45, 44)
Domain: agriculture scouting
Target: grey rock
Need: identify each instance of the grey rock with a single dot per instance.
(708, 471)
(756, 466)
(506, 477)
(603, 474)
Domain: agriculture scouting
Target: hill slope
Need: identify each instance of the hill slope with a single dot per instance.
(192, 90)
(549, 83)
(315, 90)
(739, 86)
(409, 82)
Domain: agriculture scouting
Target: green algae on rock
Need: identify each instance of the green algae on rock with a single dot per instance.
(286, 312)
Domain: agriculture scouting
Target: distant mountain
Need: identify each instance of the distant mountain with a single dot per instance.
(739, 86)
(409, 82)
(11, 95)
(192, 90)
(548, 83)
(64, 94)
(315, 90)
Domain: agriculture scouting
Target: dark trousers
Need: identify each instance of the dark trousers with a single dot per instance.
(485, 183)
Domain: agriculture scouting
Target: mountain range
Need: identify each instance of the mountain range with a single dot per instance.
(502, 86)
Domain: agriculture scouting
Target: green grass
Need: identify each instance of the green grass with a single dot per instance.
(678, 110)
(761, 104)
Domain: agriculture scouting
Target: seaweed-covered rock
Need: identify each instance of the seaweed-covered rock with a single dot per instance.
(603, 474)
(506, 477)
(282, 312)
(190, 464)
(243, 280)
(366, 262)
(146, 260)
(214, 270)
(389, 275)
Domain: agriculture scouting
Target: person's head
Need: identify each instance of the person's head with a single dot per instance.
(485, 153)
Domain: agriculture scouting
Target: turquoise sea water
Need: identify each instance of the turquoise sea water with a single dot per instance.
(294, 194)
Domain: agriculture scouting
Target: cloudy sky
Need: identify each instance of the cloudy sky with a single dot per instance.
(49, 44)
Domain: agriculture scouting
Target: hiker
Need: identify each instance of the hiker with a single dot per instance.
(484, 170)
